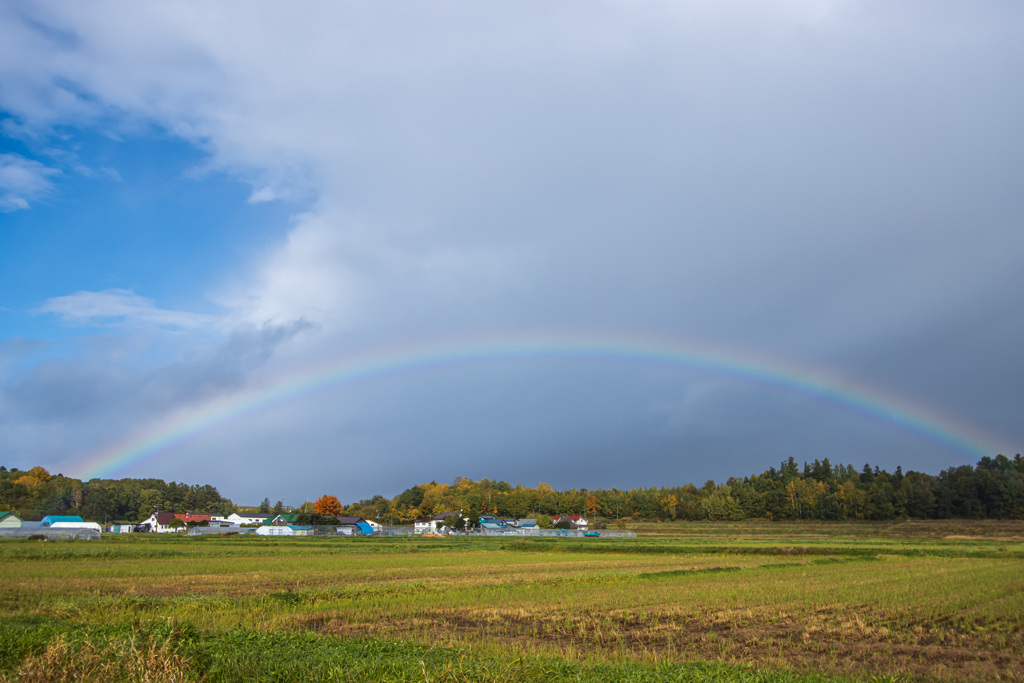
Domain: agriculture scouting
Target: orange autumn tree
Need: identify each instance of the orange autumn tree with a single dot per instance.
(328, 506)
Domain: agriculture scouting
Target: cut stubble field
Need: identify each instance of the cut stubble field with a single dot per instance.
(911, 601)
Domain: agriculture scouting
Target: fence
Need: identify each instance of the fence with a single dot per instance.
(553, 533)
(224, 530)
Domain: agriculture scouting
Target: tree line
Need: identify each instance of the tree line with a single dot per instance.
(36, 493)
(991, 489)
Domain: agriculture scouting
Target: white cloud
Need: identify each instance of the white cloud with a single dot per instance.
(22, 181)
(119, 306)
(264, 194)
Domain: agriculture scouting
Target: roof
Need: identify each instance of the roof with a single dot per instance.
(9, 513)
(165, 518)
(286, 517)
(50, 519)
(365, 528)
(194, 516)
(350, 520)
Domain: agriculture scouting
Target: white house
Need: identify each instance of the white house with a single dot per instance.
(254, 518)
(575, 521)
(432, 525)
(160, 523)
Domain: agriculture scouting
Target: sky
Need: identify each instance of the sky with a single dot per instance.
(345, 248)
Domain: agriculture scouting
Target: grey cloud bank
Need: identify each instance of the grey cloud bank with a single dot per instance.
(822, 185)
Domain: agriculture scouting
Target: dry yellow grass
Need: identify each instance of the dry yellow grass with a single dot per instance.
(105, 662)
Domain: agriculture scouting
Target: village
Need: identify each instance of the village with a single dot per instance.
(287, 524)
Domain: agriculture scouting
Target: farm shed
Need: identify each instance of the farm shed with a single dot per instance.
(9, 520)
(354, 526)
(76, 525)
(50, 520)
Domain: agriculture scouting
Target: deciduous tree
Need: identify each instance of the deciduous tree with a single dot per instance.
(328, 506)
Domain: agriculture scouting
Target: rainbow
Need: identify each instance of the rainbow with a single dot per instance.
(814, 384)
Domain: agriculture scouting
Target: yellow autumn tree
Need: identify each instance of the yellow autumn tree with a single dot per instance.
(33, 478)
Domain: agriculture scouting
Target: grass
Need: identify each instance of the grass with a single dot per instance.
(171, 653)
(707, 602)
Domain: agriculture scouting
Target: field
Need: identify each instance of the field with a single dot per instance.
(689, 602)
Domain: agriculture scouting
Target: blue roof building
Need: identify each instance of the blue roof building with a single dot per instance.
(52, 519)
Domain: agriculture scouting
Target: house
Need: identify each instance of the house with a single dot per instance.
(575, 521)
(526, 523)
(492, 524)
(194, 517)
(248, 518)
(283, 519)
(160, 522)
(9, 520)
(430, 525)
